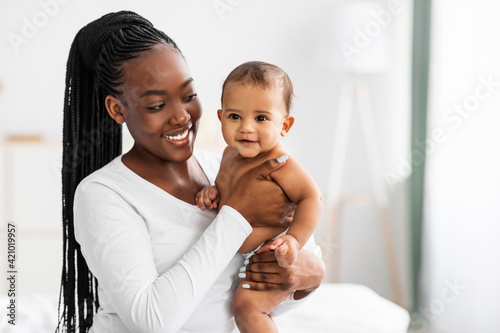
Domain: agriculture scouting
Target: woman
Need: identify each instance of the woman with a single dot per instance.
(162, 264)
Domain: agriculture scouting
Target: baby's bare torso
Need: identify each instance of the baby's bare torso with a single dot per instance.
(232, 168)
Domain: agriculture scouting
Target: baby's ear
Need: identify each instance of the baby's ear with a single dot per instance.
(287, 124)
(219, 114)
(115, 109)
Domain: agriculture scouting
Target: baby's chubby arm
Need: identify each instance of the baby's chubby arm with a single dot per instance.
(207, 197)
(299, 186)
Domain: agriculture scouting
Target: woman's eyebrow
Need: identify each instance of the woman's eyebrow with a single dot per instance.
(187, 82)
(153, 92)
(164, 92)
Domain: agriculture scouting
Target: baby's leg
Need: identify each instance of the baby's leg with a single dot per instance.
(252, 308)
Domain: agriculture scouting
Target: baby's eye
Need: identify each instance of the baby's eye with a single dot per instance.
(234, 116)
(261, 118)
(156, 107)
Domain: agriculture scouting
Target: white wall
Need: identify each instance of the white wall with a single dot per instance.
(461, 271)
(295, 35)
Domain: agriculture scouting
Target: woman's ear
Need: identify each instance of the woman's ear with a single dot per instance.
(219, 114)
(115, 109)
(287, 124)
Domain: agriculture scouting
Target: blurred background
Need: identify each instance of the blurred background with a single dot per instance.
(396, 119)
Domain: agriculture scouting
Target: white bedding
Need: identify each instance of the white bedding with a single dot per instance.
(345, 308)
(342, 308)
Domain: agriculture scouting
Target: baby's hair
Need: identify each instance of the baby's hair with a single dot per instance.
(91, 139)
(264, 75)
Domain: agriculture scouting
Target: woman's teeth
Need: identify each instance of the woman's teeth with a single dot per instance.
(179, 136)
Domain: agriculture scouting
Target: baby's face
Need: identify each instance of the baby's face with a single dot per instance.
(253, 118)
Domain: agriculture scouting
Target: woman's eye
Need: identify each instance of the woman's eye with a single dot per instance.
(190, 97)
(156, 107)
(261, 118)
(234, 116)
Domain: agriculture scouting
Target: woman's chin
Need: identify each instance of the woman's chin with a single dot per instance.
(178, 150)
(181, 155)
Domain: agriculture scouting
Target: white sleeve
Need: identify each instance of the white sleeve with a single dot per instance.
(116, 245)
(290, 302)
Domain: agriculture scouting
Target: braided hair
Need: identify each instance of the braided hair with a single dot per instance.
(91, 138)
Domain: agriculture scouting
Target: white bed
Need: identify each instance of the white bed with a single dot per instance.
(342, 308)
(345, 308)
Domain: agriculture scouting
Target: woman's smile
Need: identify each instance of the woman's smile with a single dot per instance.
(180, 137)
(178, 134)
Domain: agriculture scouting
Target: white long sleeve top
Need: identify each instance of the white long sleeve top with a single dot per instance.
(163, 265)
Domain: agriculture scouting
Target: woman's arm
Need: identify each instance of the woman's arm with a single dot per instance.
(116, 245)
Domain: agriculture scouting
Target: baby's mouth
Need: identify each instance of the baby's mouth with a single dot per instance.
(246, 142)
(178, 135)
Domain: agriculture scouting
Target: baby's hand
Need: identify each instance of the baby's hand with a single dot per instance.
(207, 197)
(286, 250)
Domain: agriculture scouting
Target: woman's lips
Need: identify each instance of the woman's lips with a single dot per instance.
(179, 137)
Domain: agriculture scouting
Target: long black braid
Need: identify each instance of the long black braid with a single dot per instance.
(91, 138)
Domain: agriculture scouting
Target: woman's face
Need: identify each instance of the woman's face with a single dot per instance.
(159, 104)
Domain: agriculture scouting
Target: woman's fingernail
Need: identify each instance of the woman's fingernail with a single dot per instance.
(242, 275)
(282, 159)
(245, 286)
(243, 269)
(246, 262)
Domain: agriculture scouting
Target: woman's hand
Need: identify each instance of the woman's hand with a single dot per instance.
(259, 199)
(264, 273)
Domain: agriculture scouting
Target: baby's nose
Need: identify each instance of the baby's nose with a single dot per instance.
(246, 127)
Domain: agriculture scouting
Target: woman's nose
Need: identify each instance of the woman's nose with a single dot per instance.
(178, 115)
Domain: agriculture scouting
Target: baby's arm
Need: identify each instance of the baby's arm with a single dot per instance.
(207, 197)
(299, 186)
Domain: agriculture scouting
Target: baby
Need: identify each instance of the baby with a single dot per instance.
(256, 101)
